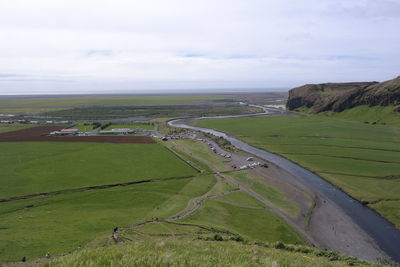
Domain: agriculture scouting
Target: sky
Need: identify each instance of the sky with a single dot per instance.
(101, 46)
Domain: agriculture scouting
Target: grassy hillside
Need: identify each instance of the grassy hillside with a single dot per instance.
(362, 159)
(342, 96)
(370, 115)
(61, 223)
(170, 252)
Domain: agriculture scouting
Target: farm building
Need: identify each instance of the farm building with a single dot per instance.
(117, 131)
(65, 132)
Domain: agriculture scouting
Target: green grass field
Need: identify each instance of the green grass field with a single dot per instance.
(106, 112)
(251, 223)
(50, 102)
(202, 151)
(135, 126)
(13, 127)
(83, 127)
(35, 167)
(28, 110)
(377, 114)
(172, 252)
(240, 198)
(61, 223)
(87, 127)
(362, 159)
(261, 187)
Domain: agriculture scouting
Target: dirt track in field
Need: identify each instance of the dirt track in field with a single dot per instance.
(39, 134)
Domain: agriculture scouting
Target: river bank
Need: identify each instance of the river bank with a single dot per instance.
(338, 221)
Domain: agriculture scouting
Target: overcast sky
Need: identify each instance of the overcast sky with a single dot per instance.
(70, 46)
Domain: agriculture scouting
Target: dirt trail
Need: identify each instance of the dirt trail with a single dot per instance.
(240, 159)
(195, 204)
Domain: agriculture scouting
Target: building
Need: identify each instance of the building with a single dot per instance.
(117, 131)
(65, 132)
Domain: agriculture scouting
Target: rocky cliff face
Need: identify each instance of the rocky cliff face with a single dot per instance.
(340, 96)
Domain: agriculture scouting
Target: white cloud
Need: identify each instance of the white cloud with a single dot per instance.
(202, 43)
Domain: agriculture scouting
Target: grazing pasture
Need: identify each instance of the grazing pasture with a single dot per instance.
(360, 158)
(133, 126)
(83, 127)
(36, 167)
(261, 187)
(99, 100)
(252, 223)
(13, 127)
(59, 224)
(149, 111)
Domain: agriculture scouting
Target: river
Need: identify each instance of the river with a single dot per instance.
(384, 233)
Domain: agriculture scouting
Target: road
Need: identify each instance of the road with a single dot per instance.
(338, 222)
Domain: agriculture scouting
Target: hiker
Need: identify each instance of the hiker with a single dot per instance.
(47, 256)
(23, 259)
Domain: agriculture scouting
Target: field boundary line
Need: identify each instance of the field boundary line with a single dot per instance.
(340, 157)
(355, 175)
(326, 145)
(183, 159)
(95, 187)
(326, 137)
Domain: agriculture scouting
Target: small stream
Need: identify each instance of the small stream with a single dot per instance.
(385, 234)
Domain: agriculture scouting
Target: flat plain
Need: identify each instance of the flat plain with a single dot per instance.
(13, 127)
(99, 100)
(36, 167)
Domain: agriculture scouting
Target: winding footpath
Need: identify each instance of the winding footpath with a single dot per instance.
(338, 222)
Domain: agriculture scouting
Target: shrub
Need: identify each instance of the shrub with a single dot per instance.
(279, 245)
(218, 237)
(237, 238)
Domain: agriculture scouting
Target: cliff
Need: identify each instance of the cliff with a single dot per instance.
(341, 96)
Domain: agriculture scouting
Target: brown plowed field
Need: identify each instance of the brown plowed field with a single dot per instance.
(39, 133)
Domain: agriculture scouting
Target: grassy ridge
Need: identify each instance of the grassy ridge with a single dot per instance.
(360, 158)
(170, 252)
(35, 167)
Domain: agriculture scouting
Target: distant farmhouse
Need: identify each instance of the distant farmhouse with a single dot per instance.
(65, 132)
(117, 131)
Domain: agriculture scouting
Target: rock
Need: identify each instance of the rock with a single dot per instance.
(340, 96)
